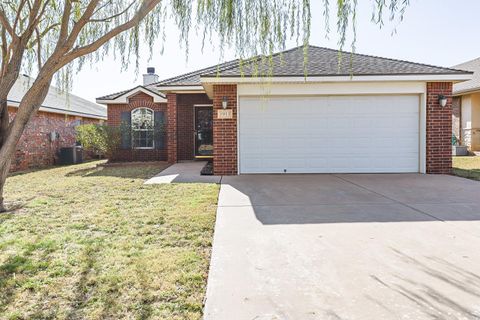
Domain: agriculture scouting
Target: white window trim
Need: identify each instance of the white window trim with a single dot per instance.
(132, 130)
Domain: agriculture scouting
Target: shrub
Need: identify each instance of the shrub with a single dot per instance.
(99, 138)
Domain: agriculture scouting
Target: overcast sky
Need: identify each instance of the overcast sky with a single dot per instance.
(438, 32)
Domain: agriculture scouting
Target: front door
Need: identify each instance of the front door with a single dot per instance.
(203, 131)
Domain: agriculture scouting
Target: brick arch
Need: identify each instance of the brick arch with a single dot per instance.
(143, 104)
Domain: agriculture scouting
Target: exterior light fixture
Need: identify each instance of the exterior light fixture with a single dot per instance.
(225, 102)
(442, 100)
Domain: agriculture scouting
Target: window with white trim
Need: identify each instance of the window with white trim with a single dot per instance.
(142, 128)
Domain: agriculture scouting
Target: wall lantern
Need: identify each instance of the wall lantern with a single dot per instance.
(225, 102)
(442, 100)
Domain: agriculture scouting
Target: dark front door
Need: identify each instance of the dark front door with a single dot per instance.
(203, 132)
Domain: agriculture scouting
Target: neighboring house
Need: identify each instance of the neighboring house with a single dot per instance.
(52, 127)
(369, 114)
(466, 107)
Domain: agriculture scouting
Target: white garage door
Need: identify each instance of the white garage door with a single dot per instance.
(329, 134)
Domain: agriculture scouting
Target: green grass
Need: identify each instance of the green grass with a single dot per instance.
(84, 243)
(467, 167)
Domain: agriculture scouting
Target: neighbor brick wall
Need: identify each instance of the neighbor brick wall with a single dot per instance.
(185, 125)
(439, 128)
(225, 132)
(114, 119)
(34, 149)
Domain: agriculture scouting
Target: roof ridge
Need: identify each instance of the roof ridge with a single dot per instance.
(390, 59)
(261, 55)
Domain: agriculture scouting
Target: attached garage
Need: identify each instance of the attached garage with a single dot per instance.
(329, 134)
(304, 110)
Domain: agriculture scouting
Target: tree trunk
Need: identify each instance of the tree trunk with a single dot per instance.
(28, 107)
(4, 122)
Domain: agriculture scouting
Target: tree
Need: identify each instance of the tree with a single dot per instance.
(57, 37)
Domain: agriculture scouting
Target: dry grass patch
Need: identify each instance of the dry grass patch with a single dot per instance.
(98, 244)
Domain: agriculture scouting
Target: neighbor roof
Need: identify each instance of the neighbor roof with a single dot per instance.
(329, 62)
(470, 85)
(57, 101)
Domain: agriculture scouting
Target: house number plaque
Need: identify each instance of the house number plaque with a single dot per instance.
(225, 114)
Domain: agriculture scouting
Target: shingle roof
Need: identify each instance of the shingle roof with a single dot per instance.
(115, 95)
(320, 62)
(470, 85)
(325, 62)
(57, 101)
(193, 78)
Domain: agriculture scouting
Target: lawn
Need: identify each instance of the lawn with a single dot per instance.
(98, 244)
(468, 167)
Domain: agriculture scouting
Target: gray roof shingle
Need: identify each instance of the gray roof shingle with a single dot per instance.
(193, 78)
(320, 62)
(57, 101)
(325, 62)
(474, 83)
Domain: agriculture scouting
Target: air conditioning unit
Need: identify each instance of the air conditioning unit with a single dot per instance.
(70, 155)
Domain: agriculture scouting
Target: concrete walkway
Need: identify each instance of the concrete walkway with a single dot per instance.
(346, 247)
(184, 172)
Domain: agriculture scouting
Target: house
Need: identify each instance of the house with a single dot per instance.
(358, 114)
(466, 107)
(52, 127)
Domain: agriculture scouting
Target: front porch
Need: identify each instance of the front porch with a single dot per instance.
(195, 131)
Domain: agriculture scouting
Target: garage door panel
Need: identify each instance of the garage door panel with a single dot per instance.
(329, 134)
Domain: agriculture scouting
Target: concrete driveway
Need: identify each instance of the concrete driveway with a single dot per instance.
(383, 246)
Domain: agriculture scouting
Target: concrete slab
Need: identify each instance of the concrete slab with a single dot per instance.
(183, 172)
(345, 247)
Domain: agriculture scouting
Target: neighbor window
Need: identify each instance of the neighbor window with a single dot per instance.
(142, 128)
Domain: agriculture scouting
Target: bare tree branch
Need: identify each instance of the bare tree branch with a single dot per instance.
(78, 26)
(145, 8)
(108, 19)
(19, 13)
(67, 10)
(6, 24)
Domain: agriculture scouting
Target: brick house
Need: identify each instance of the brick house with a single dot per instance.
(52, 128)
(364, 114)
(466, 107)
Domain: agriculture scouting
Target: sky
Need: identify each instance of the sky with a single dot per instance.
(437, 32)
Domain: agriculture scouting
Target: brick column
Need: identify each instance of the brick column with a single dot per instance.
(439, 128)
(172, 127)
(225, 132)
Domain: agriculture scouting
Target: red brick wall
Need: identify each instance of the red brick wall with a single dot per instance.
(439, 128)
(172, 127)
(35, 150)
(114, 119)
(225, 132)
(185, 125)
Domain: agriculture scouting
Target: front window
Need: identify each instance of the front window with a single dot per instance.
(142, 128)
